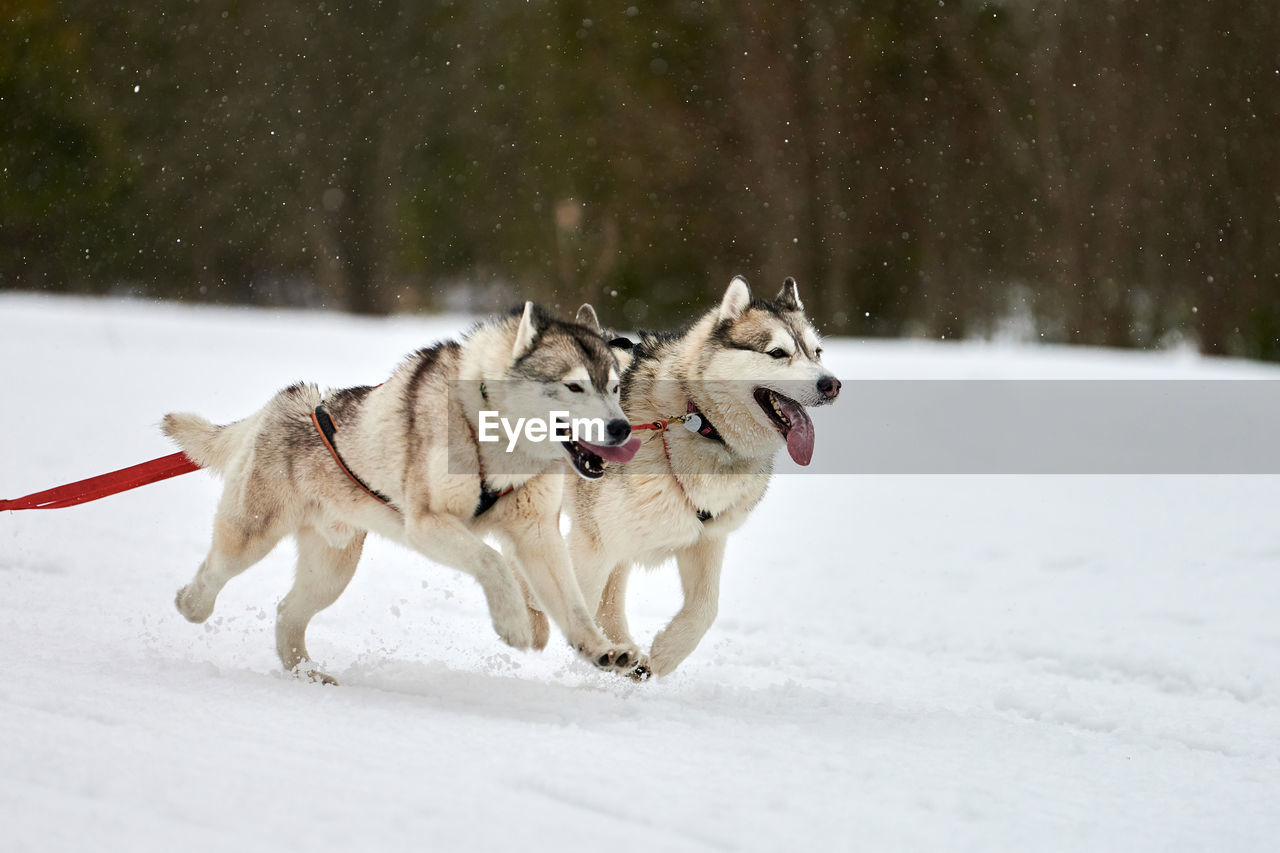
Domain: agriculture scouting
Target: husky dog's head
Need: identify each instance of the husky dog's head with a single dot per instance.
(557, 366)
(756, 366)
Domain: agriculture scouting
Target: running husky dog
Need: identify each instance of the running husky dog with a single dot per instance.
(403, 460)
(738, 380)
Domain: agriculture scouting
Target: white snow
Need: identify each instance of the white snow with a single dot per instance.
(900, 663)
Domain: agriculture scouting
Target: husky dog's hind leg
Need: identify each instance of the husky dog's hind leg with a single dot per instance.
(324, 570)
(591, 571)
(238, 543)
(249, 521)
(537, 617)
(612, 615)
(612, 618)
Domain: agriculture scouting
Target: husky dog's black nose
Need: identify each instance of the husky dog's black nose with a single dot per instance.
(618, 430)
(829, 386)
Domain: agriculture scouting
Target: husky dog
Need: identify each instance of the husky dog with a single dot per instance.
(738, 380)
(403, 459)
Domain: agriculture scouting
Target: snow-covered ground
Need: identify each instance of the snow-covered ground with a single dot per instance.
(900, 663)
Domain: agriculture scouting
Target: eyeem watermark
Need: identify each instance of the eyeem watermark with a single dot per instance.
(558, 426)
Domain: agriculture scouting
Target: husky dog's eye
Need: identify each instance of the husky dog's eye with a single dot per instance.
(574, 387)
(817, 353)
(778, 352)
(615, 389)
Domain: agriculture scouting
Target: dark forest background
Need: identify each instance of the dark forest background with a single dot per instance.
(1094, 171)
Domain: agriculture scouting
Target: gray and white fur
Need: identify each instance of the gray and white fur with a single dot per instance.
(412, 440)
(749, 366)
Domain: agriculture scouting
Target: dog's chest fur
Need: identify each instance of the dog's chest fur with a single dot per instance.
(641, 513)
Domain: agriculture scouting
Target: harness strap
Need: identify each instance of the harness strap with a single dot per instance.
(327, 430)
(488, 495)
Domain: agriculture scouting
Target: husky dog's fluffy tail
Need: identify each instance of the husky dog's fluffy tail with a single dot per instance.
(209, 445)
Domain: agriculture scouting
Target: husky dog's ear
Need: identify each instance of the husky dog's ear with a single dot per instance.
(587, 317)
(525, 333)
(788, 299)
(736, 299)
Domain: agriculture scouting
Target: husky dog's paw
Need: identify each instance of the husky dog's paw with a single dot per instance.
(641, 671)
(667, 653)
(511, 614)
(192, 605)
(511, 621)
(308, 671)
(518, 636)
(613, 659)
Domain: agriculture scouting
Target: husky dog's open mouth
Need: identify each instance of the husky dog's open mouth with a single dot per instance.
(791, 421)
(588, 459)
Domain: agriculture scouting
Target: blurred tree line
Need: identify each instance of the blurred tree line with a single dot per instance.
(1098, 171)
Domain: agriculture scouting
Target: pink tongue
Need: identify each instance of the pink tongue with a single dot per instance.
(621, 452)
(800, 436)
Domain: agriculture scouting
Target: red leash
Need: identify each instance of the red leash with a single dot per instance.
(92, 489)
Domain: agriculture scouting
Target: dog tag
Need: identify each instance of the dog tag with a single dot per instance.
(693, 423)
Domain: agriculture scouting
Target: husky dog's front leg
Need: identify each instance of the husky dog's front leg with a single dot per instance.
(446, 539)
(700, 577)
(544, 560)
